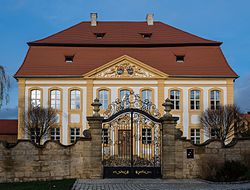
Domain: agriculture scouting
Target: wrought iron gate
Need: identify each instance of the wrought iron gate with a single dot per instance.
(131, 139)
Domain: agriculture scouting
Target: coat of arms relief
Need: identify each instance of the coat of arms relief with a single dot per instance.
(124, 69)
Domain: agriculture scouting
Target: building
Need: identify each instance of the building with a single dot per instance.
(8, 130)
(69, 69)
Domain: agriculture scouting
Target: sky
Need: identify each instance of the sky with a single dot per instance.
(227, 21)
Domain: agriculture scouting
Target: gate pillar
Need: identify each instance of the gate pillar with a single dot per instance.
(168, 141)
(95, 128)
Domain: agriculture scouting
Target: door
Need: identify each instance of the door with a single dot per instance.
(124, 143)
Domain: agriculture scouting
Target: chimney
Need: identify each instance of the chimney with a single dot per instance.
(150, 19)
(93, 17)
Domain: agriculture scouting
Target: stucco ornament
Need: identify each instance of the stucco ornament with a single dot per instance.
(125, 69)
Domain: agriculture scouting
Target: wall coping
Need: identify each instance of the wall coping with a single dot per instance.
(10, 145)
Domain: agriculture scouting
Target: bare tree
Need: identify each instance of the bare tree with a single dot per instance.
(39, 122)
(4, 86)
(225, 122)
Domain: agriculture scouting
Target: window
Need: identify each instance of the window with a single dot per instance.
(99, 35)
(195, 136)
(146, 136)
(75, 99)
(180, 58)
(124, 93)
(35, 98)
(69, 58)
(146, 35)
(105, 136)
(195, 100)
(175, 99)
(215, 99)
(55, 99)
(55, 134)
(147, 95)
(213, 134)
(74, 133)
(104, 98)
(34, 134)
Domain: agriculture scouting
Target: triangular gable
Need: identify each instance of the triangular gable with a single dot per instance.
(125, 67)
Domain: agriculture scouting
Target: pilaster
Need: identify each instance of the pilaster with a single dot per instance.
(21, 108)
(160, 95)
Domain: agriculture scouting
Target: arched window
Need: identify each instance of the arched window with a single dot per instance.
(124, 93)
(175, 99)
(104, 98)
(147, 95)
(55, 99)
(195, 99)
(35, 98)
(75, 102)
(215, 99)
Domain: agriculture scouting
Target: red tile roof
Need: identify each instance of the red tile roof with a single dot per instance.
(203, 58)
(122, 33)
(8, 127)
(199, 60)
(247, 116)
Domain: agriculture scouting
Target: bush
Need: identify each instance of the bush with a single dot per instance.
(208, 167)
(231, 171)
(213, 170)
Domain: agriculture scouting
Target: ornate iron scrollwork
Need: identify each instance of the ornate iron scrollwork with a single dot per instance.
(129, 101)
(132, 136)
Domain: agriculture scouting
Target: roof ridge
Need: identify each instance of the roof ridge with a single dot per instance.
(74, 35)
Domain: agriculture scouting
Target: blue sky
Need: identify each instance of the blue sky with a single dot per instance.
(22, 21)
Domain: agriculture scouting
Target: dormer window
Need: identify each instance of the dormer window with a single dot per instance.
(180, 58)
(69, 58)
(99, 35)
(146, 35)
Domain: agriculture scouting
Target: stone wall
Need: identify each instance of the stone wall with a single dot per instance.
(210, 152)
(26, 161)
(9, 138)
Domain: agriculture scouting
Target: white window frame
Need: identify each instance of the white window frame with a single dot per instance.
(104, 101)
(34, 132)
(54, 135)
(147, 95)
(75, 135)
(195, 99)
(196, 136)
(146, 136)
(75, 100)
(124, 93)
(175, 99)
(105, 136)
(214, 99)
(35, 97)
(55, 102)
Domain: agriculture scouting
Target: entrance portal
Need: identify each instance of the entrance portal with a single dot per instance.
(131, 139)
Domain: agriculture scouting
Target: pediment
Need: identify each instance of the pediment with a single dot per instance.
(125, 67)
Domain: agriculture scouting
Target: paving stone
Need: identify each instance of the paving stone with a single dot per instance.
(155, 184)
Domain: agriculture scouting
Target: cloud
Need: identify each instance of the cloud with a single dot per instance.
(242, 93)
(8, 113)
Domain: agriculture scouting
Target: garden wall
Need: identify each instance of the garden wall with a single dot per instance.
(211, 152)
(26, 161)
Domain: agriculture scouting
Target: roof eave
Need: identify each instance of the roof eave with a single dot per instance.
(124, 45)
(204, 76)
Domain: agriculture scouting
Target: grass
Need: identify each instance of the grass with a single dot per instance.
(65, 184)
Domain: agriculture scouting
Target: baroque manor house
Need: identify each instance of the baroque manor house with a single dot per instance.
(69, 69)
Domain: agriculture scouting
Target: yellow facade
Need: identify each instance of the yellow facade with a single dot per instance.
(104, 77)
